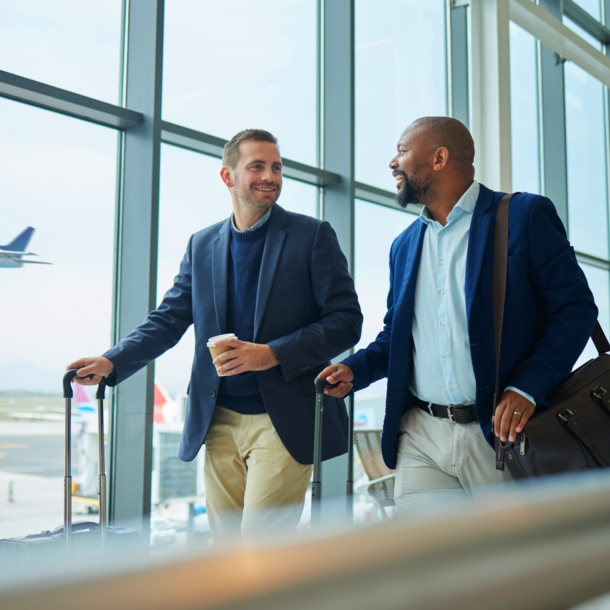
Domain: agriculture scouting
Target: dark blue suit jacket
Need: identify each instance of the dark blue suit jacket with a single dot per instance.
(306, 310)
(549, 312)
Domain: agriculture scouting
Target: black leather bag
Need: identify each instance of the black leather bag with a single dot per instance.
(573, 434)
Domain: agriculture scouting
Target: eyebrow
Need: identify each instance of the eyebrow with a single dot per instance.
(263, 162)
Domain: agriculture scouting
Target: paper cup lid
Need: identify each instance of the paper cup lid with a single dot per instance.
(212, 340)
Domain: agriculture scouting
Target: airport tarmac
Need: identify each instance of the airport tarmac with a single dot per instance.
(32, 458)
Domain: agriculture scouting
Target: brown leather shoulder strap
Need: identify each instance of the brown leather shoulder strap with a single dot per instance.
(499, 279)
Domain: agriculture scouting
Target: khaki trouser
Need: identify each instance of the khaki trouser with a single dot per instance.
(441, 463)
(252, 483)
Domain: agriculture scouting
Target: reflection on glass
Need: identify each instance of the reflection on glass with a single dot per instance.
(524, 110)
(600, 287)
(57, 175)
(586, 154)
(400, 76)
(237, 64)
(68, 44)
(192, 197)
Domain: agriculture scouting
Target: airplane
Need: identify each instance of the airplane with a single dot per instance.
(11, 255)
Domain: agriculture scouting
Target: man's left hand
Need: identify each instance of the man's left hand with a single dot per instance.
(244, 357)
(512, 413)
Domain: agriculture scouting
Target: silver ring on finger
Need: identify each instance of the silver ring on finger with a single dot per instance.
(517, 413)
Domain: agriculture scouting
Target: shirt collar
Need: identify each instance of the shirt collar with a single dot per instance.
(257, 225)
(465, 205)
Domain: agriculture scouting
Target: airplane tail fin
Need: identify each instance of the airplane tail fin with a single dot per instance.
(20, 243)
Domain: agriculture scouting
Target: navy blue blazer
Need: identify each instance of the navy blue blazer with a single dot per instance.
(548, 318)
(306, 310)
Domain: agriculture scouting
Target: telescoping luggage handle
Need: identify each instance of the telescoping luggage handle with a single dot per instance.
(316, 483)
(68, 394)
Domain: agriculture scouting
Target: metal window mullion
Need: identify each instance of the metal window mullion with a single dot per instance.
(337, 73)
(552, 116)
(457, 68)
(136, 277)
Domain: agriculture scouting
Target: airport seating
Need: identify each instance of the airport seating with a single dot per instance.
(380, 486)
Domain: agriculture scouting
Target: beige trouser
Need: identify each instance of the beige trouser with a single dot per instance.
(252, 483)
(441, 463)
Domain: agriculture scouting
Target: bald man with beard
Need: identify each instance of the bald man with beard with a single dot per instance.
(436, 348)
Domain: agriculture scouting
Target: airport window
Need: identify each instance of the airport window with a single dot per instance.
(400, 76)
(57, 175)
(587, 162)
(600, 286)
(236, 64)
(524, 110)
(220, 75)
(68, 44)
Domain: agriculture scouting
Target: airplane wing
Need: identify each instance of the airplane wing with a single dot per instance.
(34, 262)
(16, 256)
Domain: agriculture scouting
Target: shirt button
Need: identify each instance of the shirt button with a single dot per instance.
(442, 291)
(212, 394)
(444, 354)
(441, 262)
(442, 322)
(451, 386)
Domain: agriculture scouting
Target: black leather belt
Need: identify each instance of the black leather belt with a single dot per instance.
(460, 414)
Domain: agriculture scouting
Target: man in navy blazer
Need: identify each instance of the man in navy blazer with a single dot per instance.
(437, 344)
(280, 283)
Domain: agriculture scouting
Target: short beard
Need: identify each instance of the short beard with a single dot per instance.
(413, 189)
(247, 197)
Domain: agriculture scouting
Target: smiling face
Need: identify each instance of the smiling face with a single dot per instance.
(256, 179)
(412, 167)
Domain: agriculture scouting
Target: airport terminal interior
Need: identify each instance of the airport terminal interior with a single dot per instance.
(113, 119)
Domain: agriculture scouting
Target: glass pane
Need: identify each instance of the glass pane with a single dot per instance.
(600, 287)
(524, 110)
(237, 64)
(57, 175)
(192, 197)
(376, 228)
(400, 76)
(66, 43)
(586, 154)
(593, 7)
(582, 33)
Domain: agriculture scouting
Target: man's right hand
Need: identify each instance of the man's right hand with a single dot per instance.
(341, 374)
(98, 367)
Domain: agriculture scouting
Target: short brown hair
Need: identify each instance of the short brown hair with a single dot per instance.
(230, 155)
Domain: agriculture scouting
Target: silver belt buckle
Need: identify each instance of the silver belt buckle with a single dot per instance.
(430, 409)
(450, 413)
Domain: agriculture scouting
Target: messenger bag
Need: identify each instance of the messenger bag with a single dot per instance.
(573, 434)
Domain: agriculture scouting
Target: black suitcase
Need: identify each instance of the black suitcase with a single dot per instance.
(85, 536)
(316, 484)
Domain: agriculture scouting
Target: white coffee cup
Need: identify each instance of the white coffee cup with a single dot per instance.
(221, 349)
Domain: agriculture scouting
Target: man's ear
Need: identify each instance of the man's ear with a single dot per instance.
(441, 158)
(226, 176)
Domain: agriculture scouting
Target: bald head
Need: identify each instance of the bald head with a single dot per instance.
(439, 131)
(434, 161)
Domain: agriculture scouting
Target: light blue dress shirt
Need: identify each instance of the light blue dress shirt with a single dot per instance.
(442, 365)
(259, 223)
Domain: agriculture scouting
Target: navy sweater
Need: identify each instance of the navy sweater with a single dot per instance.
(241, 392)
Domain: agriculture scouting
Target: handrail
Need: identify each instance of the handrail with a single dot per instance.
(548, 548)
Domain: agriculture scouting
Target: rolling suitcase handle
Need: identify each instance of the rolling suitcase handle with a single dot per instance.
(68, 394)
(316, 484)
